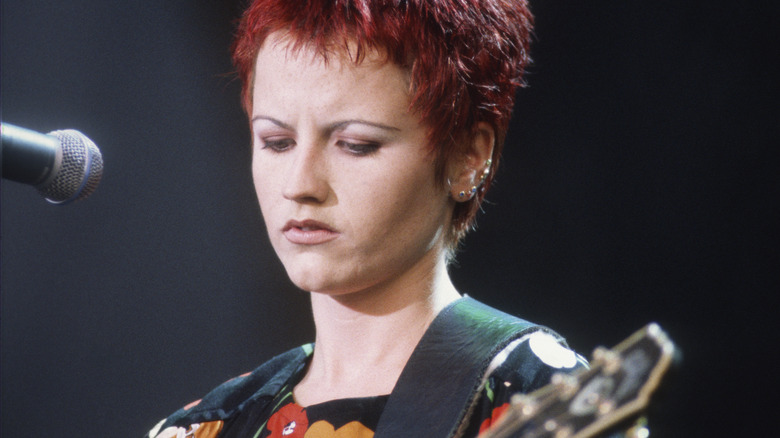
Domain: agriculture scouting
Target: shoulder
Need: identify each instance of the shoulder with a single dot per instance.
(528, 363)
(523, 353)
(523, 366)
(512, 355)
(231, 396)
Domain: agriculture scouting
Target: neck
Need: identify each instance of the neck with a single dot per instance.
(365, 338)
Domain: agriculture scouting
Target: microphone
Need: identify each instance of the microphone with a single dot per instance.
(63, 165)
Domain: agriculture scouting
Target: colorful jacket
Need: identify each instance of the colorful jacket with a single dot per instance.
(523, 357)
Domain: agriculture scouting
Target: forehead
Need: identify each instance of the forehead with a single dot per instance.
(286, 71)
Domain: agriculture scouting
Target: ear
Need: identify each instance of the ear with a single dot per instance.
(468, 170)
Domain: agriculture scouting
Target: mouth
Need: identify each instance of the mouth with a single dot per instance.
(308, 232)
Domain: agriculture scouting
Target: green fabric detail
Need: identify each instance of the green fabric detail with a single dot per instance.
(489, 392)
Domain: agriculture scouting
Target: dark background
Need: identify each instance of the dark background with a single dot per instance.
(638, 185)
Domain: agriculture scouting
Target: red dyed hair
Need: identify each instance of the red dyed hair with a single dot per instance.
(466, 59)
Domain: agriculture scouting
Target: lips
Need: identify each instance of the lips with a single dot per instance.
(308, 232)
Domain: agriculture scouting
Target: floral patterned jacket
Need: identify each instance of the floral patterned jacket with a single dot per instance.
(260, 404)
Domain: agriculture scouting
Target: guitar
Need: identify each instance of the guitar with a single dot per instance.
(616, 387)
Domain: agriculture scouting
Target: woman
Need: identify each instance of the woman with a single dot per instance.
(376, 129)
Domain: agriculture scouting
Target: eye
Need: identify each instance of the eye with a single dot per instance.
(276, 144)
(358, 148)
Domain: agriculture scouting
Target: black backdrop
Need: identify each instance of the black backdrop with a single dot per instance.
(638, 185)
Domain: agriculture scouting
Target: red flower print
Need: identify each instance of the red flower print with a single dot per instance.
(497, 412)
(288, 422)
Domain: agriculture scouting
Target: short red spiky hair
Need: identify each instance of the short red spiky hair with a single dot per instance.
(466, 59)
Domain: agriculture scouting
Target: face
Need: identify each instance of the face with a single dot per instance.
(342, 171)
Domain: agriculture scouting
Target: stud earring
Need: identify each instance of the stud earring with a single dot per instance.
(468, 194)
(464, 195)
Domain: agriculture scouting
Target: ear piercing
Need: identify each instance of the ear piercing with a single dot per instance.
(463, 194)
(485, 171)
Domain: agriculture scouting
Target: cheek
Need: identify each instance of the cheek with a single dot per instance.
(263, 179)
(405, 202)
(263, 174)
(257, 178)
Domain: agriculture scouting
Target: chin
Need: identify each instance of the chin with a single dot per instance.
(311, 277)
(321, 280)
(307, 284)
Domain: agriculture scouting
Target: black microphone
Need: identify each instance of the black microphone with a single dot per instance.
(63, 165)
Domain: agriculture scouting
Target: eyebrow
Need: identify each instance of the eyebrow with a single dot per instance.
(279, 123)
(336, 126)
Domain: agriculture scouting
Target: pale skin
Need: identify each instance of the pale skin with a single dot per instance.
(346, 185)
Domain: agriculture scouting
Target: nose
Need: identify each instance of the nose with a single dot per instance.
(307, 174)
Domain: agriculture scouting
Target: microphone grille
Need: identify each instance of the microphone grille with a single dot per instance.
(80, 172)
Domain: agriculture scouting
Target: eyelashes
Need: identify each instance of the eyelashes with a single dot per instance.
(359, 148)
(280, 145)
(277, 145)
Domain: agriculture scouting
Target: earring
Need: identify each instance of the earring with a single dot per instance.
(463, 194)
(485, 171)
